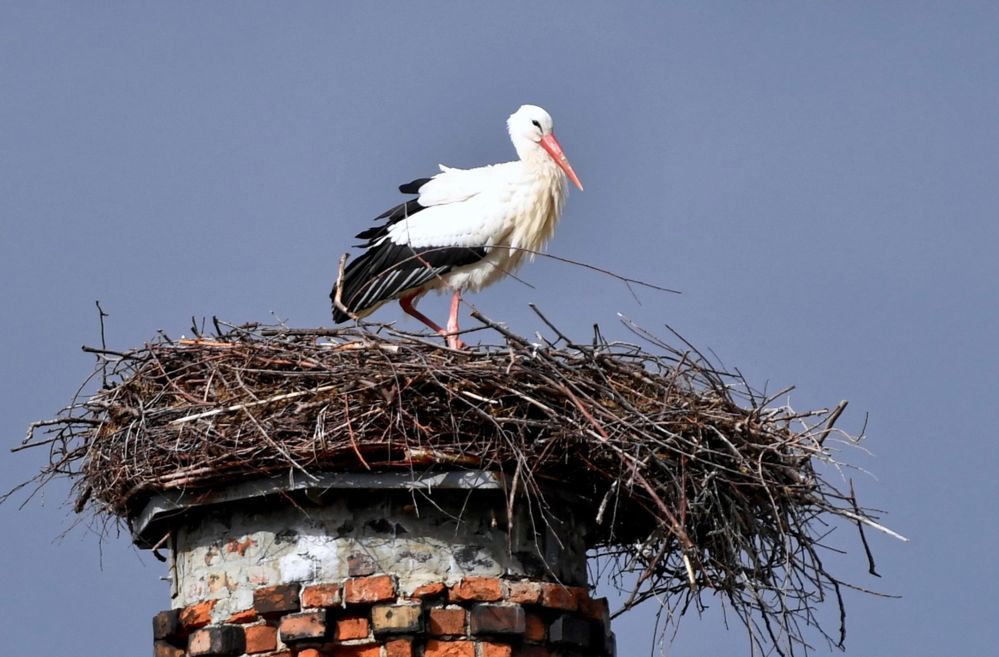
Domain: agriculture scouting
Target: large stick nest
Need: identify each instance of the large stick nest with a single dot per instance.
(695, 483)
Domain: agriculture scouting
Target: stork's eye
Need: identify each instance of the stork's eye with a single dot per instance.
(537, 125)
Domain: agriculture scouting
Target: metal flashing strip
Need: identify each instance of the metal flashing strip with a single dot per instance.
(162, 506)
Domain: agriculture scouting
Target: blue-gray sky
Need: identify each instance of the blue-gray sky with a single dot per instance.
(821, 180)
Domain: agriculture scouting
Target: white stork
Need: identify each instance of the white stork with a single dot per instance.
(466, 229)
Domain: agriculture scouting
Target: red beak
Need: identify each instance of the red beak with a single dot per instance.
(550, 144)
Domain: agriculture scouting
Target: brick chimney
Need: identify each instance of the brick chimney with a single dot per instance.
(390, 564)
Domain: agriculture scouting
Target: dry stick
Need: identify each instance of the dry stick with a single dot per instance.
(607, 272)
(863, 538)
(831, 421)
(245, 405)
(279, 448)
(304, 332)
(678, 531)
(339, 288)
(350, 432)
(544, 319)
(104, 352)
(499, 328)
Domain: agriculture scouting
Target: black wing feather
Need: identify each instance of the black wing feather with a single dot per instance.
(393, 215)
(388, 270)
(396, 213)
(413, 187)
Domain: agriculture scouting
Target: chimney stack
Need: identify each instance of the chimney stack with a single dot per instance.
(373, 565)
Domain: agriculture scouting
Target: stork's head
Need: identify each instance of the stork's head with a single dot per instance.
(531, 128)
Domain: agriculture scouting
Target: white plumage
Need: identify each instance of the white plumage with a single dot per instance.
(466, 229)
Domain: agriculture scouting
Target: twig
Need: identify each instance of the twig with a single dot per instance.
(261, 402)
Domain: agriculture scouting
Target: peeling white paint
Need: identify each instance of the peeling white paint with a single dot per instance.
(226, 553)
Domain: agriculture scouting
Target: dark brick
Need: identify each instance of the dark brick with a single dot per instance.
(533, 651)
(166, 625)
(595, 609)
(496, 619)
(217, 641)
(535, 627)
(306, 626)
(276, 599)
(165, 649)
(360, 565)
(570, 631)
(610, 645)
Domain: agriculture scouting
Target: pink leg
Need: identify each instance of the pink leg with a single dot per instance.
(452, 323)
(407, 306)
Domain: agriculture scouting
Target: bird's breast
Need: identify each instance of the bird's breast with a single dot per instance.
(537, 211)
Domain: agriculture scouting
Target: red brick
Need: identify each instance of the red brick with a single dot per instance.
(581, 594)
(261, 638)
(309, 652)
(557, 596)
(477, 589)
(244, 616)
(276, 599)
(198, 614)
(352, 627)
(448, 621)
(371, 650)
(431, 590)
(524, 593)
(399, 648)
(436, 648)
(365, 590)
(305, 626)
(165, 649)
(535, 627)
(321, 595)
(490, 649)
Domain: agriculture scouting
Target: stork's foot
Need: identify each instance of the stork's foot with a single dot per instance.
(454, 342)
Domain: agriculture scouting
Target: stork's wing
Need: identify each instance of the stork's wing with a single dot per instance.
(389, 270)
(449, 186)
(455, 185)
(421, 240)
